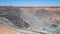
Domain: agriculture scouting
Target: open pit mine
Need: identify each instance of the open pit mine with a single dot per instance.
(29, 20)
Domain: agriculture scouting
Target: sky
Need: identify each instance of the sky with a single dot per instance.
(29, 2)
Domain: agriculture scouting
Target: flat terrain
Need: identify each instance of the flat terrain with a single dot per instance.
(4, 30)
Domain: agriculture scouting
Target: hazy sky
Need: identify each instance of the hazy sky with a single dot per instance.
(29, 2)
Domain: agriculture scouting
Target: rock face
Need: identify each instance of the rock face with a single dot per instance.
(32, 18)
(14, 17)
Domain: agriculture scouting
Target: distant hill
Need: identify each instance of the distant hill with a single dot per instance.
(12, 8)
